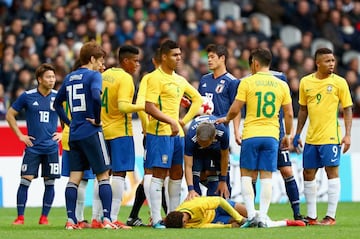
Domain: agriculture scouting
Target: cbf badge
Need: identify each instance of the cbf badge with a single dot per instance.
(164, 159)
(329, 89)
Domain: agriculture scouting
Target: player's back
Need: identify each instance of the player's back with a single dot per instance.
(263, 94)
(221, 91)
(79, 85)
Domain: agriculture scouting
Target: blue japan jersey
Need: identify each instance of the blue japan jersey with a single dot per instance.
(222, 91)
(41, 119)
(221, 139)
(77, 91)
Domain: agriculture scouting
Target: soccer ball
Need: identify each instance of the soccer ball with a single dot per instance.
(207, 106)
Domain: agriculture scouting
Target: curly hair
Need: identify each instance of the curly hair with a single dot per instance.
(174, 220)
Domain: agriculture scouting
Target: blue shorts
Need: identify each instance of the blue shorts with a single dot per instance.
(259, 153)
(283, 159)
(50, 167)
(122, 153)
(318, 156)
(89, 152)
(164, 151)
(65, 167)
(206, 160)
(221, 216)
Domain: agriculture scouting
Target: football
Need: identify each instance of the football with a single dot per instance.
(207, 106)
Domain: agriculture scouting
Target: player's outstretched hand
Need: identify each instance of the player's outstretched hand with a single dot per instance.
(223, 190)
(221, 120)
(191, 194)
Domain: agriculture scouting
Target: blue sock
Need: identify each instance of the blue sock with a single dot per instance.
(213, 182)
(196, 181)
(105, 195)
(48, 197)
(293, 194)
(70, 199)
(228, 182)
(22, 195)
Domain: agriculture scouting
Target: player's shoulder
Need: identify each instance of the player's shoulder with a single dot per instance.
(230, 77)
(32, 91)
(278, 74)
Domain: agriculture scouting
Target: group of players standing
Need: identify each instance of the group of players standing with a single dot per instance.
(99, 117)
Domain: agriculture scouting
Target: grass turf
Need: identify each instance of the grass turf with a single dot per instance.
(347, 226)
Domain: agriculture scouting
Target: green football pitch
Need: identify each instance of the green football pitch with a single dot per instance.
(348, 226)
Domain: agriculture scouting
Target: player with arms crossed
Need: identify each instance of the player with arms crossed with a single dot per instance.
(208, 144)
(165, 148)
(263, 95)
(82, 89)
(320, 95)
(41, 141)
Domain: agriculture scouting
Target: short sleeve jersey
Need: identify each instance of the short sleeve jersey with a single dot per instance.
(322, 98)
(117, 86)
(41, 119)
(263, 95)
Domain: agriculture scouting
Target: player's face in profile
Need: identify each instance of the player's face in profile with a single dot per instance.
(98, 64)
(132, 64)
(48, 80)
(326, 63)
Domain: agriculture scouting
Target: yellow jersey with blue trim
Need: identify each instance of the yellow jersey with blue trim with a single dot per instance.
(322, 98)
(165, 91)
(117, 86)
(263, 94)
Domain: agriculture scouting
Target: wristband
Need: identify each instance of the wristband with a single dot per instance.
(296, 140)
(190, 188)
(287, 136)
(222, 178)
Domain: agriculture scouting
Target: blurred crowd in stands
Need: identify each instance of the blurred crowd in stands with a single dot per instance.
(37, 31)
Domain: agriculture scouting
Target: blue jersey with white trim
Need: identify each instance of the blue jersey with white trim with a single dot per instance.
(41, 119)
(77, 91)
(221, 91)
(221, 139)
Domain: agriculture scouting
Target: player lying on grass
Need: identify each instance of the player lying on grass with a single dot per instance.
(215, 212)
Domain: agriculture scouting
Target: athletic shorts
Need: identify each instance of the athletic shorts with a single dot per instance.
(259, 153)
(89, 153)
(221, 216)
(206, 160)
(318, 156)
(65, 167)
(122, 153)
(283, 159)
(164, 151)
(50, 167)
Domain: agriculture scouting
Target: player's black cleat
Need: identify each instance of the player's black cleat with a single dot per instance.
(301, 218)
(135, 222)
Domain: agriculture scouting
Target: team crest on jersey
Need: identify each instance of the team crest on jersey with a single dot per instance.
(52, 103)
(164, 158)
(329, 89)
(219, 88)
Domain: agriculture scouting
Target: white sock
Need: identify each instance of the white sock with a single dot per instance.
(80, 202)
(248, 196)
(147, 182)
(97, 206)
(117, 186)
(265, 197)
(174, 194)
(333, 196)
(155, 198)
(167, 194)
(310, 197)
(281, 223)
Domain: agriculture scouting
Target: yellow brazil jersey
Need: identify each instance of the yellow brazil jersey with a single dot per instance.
(263, 95)
(322, 98)
(202, 211)
(166, 91)
(140, 100)
(117, 86)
